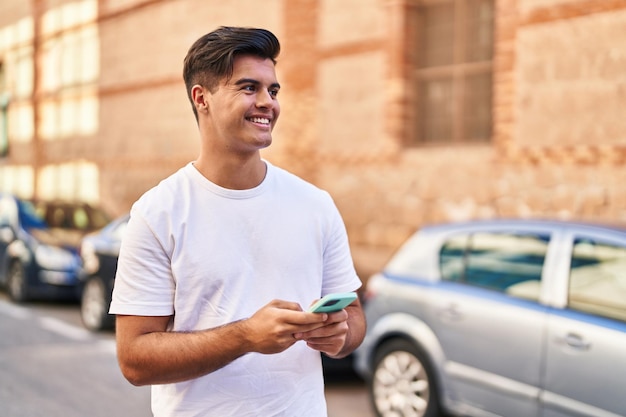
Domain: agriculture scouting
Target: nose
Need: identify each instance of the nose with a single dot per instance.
(264, 99)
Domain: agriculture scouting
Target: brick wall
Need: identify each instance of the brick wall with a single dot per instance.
(558, 145)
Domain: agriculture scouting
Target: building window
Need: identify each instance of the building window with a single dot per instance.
(4, 119)
(453, 71)
(71, 57)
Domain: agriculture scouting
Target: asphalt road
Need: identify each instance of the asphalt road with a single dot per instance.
(51, 366)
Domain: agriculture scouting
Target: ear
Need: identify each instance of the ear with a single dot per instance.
(199, 97)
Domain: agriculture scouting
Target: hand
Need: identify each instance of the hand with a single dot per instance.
(330, 338)
(271, 329)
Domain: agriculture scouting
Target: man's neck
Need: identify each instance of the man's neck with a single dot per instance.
(234, 174)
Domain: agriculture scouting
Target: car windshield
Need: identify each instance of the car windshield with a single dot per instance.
(67, 216)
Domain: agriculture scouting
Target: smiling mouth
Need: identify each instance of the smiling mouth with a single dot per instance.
(260, 120)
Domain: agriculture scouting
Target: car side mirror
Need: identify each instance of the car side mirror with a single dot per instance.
(7, 234)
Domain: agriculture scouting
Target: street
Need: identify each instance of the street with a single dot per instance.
(51, 366)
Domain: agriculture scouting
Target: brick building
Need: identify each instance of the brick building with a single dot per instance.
(407, 111)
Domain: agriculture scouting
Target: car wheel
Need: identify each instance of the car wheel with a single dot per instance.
(94, 306)
(402, 384)
(16, 283)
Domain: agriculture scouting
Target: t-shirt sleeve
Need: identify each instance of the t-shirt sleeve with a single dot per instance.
(144, 284)
(339, 273)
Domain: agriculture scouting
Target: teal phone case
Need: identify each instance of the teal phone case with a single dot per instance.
(333, 302)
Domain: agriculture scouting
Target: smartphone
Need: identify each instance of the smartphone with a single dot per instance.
(333, 302)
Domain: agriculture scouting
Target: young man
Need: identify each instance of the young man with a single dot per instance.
(221, 259)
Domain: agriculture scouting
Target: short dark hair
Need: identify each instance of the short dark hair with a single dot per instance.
(211, 57)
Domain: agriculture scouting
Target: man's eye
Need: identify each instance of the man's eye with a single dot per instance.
(249, 88)
(273, 93)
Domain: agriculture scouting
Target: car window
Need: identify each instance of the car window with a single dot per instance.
(59, 217)
(506, 262)
(97, 218)
(80, 218)
(452, 258)
(598, 279)
(71, 216)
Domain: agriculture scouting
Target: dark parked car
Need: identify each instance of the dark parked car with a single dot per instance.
(99, 252)
(39, 243)
(500, 318)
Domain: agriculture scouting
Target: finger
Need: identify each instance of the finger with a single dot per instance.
(303, 319)
(337, 316)
(286, 305)
(328, 348)
(324, 332)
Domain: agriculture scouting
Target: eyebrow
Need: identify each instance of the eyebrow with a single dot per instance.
(255, 82)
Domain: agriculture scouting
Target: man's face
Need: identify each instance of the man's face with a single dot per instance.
(244, 109)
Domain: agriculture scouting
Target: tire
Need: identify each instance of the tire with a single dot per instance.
(94, 306)
(17, 286)
(403, 383)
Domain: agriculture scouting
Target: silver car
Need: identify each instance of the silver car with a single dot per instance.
(499, 318)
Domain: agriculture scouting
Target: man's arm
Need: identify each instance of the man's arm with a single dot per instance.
(356, 329)
(342, 333)
(148, 354)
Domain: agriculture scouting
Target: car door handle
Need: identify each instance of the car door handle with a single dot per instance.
(574, 341)
(451, 313)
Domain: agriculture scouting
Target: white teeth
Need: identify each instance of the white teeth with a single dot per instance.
(260, 120)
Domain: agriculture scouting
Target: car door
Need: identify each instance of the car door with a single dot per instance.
(586, 346)
(489, 320)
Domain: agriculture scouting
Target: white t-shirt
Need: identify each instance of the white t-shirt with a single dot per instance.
(208, 256)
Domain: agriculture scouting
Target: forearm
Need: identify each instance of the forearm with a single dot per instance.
(148, 354)
(166, 357)
(356, 331)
